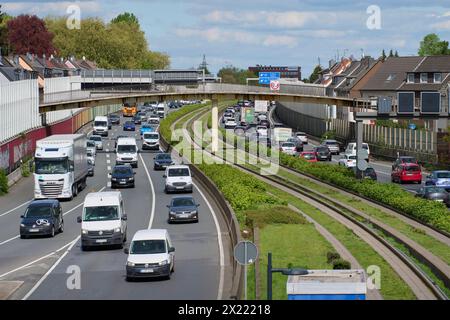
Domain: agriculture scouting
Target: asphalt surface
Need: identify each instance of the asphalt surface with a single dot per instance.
(197, 267)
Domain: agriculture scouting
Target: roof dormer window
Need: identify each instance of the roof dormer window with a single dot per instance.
(424, 78)
(410, 78)
(437, 77)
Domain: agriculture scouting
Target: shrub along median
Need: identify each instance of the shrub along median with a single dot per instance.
(433, 213)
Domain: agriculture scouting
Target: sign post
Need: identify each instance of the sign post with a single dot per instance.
(245, 253)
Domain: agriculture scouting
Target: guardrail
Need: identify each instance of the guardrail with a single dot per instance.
(229, 217)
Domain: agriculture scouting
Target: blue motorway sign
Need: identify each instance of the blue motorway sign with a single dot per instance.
(266, 77)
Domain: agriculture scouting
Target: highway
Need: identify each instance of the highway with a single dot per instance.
(197, 253)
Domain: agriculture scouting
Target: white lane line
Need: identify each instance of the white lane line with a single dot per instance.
(50, 270)
(108, 161)
(9, 240)
(21, 205)
(108, 184)
(109, 168)
(152, 214)
(37, 260)
(107, 155)
(107, 150)
(219, 239)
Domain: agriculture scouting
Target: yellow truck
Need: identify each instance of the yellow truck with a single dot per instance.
(129, 110)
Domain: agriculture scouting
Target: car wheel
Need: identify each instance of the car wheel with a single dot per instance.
(133, 185)
(52, 234)
(61, 227)
(129, 279)
(84, 248)
(22, 236)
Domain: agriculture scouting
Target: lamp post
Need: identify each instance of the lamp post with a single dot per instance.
(286, 272)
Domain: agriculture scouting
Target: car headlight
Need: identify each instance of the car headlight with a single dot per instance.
(131, 179)
(113, 179)
(163, 263)
(83, 231)
(193, 212)
(130, 264)
(173, 213)
(22, 225)
(117, 230)
(47, 224)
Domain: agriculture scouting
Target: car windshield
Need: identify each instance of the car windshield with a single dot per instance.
(351, 157)
(163, 156)
(38, 212)
(434, 190)
(146, 126)
(122, 170)
(90, 143)
(331, 142)
(151, 136)
(370, 171)
(100, 123)
(148, 247)
(95, 138)
(180, 172)
(89, 153)
(102, 213)
(183, 202)
(309, 156)
(129, 123)
(288, 145)
(411, 168)
(322, 149)
(365, 146)
(51, 166)
(126, 148)
(114, 116)
(443, 175)
(408, 160)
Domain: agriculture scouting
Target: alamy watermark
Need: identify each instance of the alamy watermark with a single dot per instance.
(374, 19)
(74, 19)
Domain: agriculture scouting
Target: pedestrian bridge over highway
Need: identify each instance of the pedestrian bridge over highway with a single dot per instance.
(306, 93)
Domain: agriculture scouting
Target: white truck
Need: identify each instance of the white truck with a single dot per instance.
(101, 126)
(61, 166)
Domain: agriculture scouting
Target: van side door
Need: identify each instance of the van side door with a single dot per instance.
(123, 223)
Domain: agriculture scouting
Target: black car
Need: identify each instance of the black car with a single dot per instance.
(369, 173)
(265, 123)
(122, 176)
(90, 168)
(137, 119)
(183, 209)
(323, 153)
(434, 193)
(114, 118)
(162, 160)
(42, 217)
(298, 144)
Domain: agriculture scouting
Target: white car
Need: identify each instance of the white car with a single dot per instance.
(150, 140)
(178, 179)
(348, 161)
(91, 155)
(262, 131)
(302, 136)
(351, 148)
(288, 148)
(151, 254)
(97, 140)
(153, 120)
(230, 124)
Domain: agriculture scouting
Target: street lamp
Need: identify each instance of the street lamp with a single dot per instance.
(286, 272)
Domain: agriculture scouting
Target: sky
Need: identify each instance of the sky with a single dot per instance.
(243, 33)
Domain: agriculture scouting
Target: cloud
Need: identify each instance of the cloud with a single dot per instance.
(218, 35)
(441, 26)
(277, 40)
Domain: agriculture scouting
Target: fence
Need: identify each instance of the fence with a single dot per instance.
(61, 84)
(19, 108)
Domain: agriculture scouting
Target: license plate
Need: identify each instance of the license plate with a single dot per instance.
(410, 174)
(101, 240)
(34, 230)
(146, 270)
(183, 215)
(440, 200)
(122, 182)
(180, 188)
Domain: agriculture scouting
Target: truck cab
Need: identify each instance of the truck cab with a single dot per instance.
(104, 222)
(101, 126)
(61, 166)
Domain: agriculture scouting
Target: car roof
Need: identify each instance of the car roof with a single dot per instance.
(106, 197)
(329, 140)
(409, 165)
(150, 234)
(120, 166)
(46, 202)
(182, 197)
(441, 171)
(179, 166)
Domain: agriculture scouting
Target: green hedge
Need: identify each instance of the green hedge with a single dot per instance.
(433, 213)
(3, 182)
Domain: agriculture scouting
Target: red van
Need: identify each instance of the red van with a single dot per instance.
(407, 172)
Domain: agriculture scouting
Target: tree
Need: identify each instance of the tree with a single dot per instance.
(315, 74)
(126, 17)
(383, 55)
(391, 53)
(3, 31)
(29, 34)
(230, 74)
(432, 45)
(396, 54)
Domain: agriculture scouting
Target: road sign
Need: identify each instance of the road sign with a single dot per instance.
(261, 106)
(266, 77)
(362, 165)
(245, 253)
(363, 154)
(275, 85)
(248, 114)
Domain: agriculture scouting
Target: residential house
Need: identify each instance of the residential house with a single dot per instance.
(10, 70)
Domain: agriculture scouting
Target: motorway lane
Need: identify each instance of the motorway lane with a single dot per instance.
(103, 272)
(16, 252)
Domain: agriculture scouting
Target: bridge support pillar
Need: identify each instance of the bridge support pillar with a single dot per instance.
(215, 125)
(359, 141)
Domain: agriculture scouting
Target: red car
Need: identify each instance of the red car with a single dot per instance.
(407, 172)
(309, 156)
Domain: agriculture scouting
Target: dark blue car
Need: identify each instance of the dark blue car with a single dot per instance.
(122, 176)
(162, 161)
(42, 217)
(439, 178)
(183, 209)
(129, 126)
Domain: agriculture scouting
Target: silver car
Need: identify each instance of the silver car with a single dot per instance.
(97, 140)
(333, 145)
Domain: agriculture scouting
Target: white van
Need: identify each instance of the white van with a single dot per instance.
(178, 179)
(104, 221)
(151, 254)
(101, 126)
(351, 148)
(150, 140)
(127, 151)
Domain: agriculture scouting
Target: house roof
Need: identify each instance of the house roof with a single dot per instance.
(426, 86)
(358, 72)
(392, 73)
(434, 64)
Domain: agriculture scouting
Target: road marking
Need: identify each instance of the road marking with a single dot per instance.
(9, 240)
(152, 214)
(107, 150)
(109, 168)
(219, 239)
(34, 261)
(36, 286)
(21, 205)
(108, 184)
(108, 161)
(107, 155)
